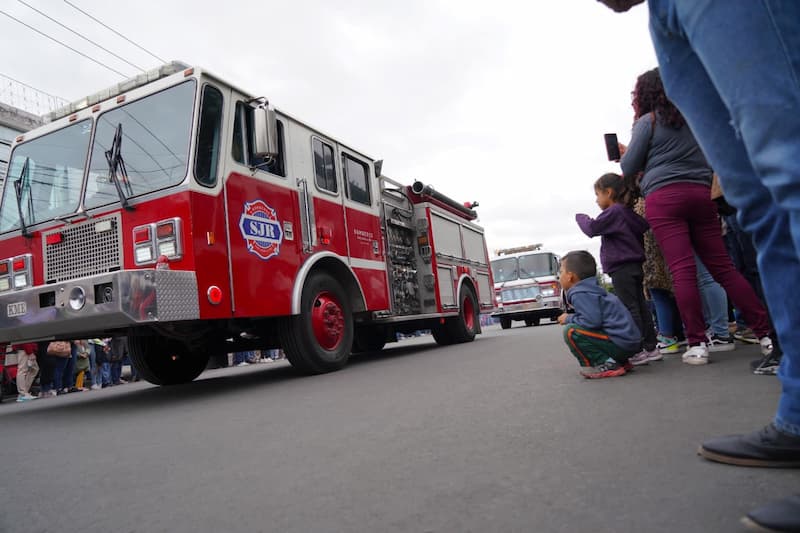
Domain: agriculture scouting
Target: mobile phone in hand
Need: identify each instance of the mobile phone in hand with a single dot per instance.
(612, 147)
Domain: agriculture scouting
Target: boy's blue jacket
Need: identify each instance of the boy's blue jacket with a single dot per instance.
(598, 310)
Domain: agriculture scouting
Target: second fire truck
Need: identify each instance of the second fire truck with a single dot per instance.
(196, 219)
(526, 285)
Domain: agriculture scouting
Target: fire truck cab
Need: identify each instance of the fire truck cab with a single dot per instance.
(198, 220)
(526, 285)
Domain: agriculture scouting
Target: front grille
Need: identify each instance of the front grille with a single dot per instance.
(85, 249)
(520, 293)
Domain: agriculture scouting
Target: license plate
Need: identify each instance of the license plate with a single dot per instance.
(16, 309)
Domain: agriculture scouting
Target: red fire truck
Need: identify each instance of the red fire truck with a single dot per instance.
(526, 285)
(198, 220)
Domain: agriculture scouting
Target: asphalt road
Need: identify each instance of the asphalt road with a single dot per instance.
(498, 435)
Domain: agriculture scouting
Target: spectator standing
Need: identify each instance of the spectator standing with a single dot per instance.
(27, 368)
(82, 363)
(118, 349)
(732, 68)
(46, 365)
(676, 185)
(96, 358)
(60, 363)
(658, 285)
(622, 255)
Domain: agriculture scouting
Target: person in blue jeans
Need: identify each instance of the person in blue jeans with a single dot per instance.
(715, 310)
(733, 70)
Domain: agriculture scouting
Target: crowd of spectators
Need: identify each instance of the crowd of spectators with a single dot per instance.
(64, 367)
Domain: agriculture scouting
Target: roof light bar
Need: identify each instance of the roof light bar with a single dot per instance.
(137, 81)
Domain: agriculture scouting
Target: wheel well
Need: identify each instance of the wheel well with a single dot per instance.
(341, 272)
(466, 281)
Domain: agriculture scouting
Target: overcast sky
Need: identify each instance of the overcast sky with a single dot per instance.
(502, 102)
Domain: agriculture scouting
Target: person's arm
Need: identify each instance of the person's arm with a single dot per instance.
(635, 157)
(588, 311)
(596, 226)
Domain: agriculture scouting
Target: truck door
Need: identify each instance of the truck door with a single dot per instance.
(365, 242)
(265, 247)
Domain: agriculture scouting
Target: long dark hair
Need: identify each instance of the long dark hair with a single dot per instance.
(649, 96)
(621, 191)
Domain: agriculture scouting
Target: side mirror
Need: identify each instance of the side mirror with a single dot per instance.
(265, 122)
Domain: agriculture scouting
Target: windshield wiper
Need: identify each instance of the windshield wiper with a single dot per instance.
(115, 162)
(19, 187)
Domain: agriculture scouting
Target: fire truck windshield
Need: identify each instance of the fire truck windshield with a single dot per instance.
(51, 184)
(156, 134)
(535, 265)
(523, 267)
(504, 269)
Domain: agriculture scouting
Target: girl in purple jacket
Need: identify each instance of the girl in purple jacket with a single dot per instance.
(622, 254)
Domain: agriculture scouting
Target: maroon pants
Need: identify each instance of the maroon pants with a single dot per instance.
(684, 220)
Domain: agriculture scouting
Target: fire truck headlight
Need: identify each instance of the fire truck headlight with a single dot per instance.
(144, 254)
(548, 292)
(167, 248)
(77, 298)
(20, 281)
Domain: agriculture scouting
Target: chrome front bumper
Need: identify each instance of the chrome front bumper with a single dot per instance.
(508, 309)
(112, 301)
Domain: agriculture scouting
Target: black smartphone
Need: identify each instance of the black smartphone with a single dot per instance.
(612, 147)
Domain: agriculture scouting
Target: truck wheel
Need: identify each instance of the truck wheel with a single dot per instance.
(463, 327)
(320, 338)
(369, 339)
(505, 323)
(532, 321)
(163, 361)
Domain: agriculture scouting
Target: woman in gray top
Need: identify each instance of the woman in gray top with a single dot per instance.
(675, 180)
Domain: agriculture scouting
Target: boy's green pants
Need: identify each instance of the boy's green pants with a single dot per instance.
(592, 348)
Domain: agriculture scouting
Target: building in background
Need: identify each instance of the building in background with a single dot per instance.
(21, 109)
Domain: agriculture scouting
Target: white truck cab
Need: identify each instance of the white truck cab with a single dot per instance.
(526, 285)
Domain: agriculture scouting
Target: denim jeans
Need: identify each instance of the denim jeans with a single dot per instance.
(59, 366)
(715, 301)
(667, 316)
(94, 366)
(732, 68)
(115, 372)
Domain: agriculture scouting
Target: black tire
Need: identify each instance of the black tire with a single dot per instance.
(320, 338)
(369, 339)
(532, 321)
(164, 361)
(441, 334)
(462, 328)
(505, 323)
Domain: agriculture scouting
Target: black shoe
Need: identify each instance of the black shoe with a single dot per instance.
(766, 447)
(767, 365)
(780, 515)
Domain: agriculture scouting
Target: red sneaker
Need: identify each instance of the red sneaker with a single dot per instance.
(605, 370)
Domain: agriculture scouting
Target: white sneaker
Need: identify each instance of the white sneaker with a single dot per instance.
(243, 363)
(96, 387)
(766, 346)
(696, 355)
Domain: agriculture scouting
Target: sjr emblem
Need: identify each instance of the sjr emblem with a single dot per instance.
(260, 229)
